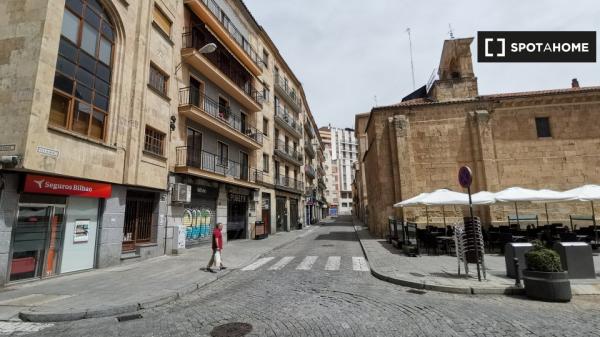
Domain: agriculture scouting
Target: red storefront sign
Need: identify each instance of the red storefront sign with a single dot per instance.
(61, 186)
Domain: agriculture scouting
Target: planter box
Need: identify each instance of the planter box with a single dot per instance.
(547, 286)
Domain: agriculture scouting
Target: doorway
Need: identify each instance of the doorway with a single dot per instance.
(37, 241)
(266, 211)
(281, 212)
(197, 93)
(237, 219)
(294, 214)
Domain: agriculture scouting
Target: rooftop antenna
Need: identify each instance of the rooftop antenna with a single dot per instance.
(412, 67)
(450, 31)
(375, 99)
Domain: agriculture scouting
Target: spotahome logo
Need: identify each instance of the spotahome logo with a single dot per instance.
(536, 46)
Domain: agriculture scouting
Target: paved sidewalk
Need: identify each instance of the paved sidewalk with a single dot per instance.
(129, 287)
(439, 273)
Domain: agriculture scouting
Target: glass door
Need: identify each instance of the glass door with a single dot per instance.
(37, 241)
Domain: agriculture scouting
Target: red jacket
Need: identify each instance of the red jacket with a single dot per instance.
(217, 239)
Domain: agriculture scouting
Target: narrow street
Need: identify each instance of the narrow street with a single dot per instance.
(320, 285)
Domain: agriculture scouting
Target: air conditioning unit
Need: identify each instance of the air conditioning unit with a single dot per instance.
(181, 193)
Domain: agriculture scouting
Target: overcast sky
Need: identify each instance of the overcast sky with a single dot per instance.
(346, 52)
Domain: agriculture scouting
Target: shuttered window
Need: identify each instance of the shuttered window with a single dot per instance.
(162, 21)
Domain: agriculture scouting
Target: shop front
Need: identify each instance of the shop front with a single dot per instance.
(237, 216)
(200, 215)
(56, 226)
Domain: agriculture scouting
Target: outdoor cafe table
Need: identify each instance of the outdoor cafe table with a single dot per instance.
(446, 241)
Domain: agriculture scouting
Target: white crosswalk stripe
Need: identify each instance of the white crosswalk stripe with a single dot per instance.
(307, 263)
(281, 263)
(333, 263)
(359, 263)
(258, 263)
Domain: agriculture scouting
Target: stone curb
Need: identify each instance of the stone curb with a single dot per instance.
(511, 290)
(153, 302)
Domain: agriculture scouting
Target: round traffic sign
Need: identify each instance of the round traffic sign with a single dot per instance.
(465, 177)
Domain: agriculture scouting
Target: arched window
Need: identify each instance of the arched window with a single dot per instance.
(83, 70)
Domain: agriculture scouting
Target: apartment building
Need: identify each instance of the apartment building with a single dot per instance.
(332, 179)
(132, 128)
(343, 155)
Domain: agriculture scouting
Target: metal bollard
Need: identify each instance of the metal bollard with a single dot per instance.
(517, 273)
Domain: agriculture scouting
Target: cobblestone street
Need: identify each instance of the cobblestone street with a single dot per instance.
(320, 286)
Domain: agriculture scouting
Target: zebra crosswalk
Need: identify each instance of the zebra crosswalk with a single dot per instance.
(330, 263)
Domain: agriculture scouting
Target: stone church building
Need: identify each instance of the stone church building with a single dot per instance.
(538, 139)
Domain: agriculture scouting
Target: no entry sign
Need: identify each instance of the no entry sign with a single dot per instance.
(465, 177)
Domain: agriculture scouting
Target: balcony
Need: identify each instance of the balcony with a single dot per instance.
(204, 164)
(309, 129)
(321, 170)
(288, 153)
(310, 150)
(213, 16)
(288, 183)
(310, 171)
(220, 67)
(204, 110)
(287, 121)
(287, 93)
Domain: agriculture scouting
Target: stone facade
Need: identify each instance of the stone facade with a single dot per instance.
(31, 33)
(426, 140)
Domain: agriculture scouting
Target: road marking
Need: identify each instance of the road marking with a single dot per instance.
(258, 263)
(333, 263)
(11, 327)
(281, 263)
(359, 263)
(307, 263)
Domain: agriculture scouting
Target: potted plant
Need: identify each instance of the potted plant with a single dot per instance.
(544, 277)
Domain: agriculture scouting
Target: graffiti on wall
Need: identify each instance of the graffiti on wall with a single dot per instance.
(198, 223)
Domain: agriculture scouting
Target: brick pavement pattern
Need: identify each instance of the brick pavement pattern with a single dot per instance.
(345, 302)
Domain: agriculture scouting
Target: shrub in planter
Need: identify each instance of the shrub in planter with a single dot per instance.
(544, 278)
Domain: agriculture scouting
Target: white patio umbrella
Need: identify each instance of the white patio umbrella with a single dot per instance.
(445, 197)
(519, 194)
(415, 201)
(588, 193)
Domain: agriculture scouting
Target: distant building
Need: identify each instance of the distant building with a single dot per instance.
(343, 155)
(538, 139)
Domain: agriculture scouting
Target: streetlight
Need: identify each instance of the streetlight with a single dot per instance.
(208, 48)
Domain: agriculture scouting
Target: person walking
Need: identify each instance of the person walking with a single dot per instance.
(217, 248)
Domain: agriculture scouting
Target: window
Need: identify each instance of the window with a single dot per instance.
(344, 204)
(161, 21)
(265, 126)
(265, 59)
(223, 108)
(154, 141)
(223, 154)
(265, 163)
(158, 81)
(83, 70)
(542, 125)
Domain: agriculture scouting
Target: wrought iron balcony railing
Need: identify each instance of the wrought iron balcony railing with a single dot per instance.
(288, 151)
(290, 94)
(220, 112)
(287, 119)
(197, 37)
(233, 31)
(187, 156)
(283, 181)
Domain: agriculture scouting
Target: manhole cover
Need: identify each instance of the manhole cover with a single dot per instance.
(235, 329)
(415, 291)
